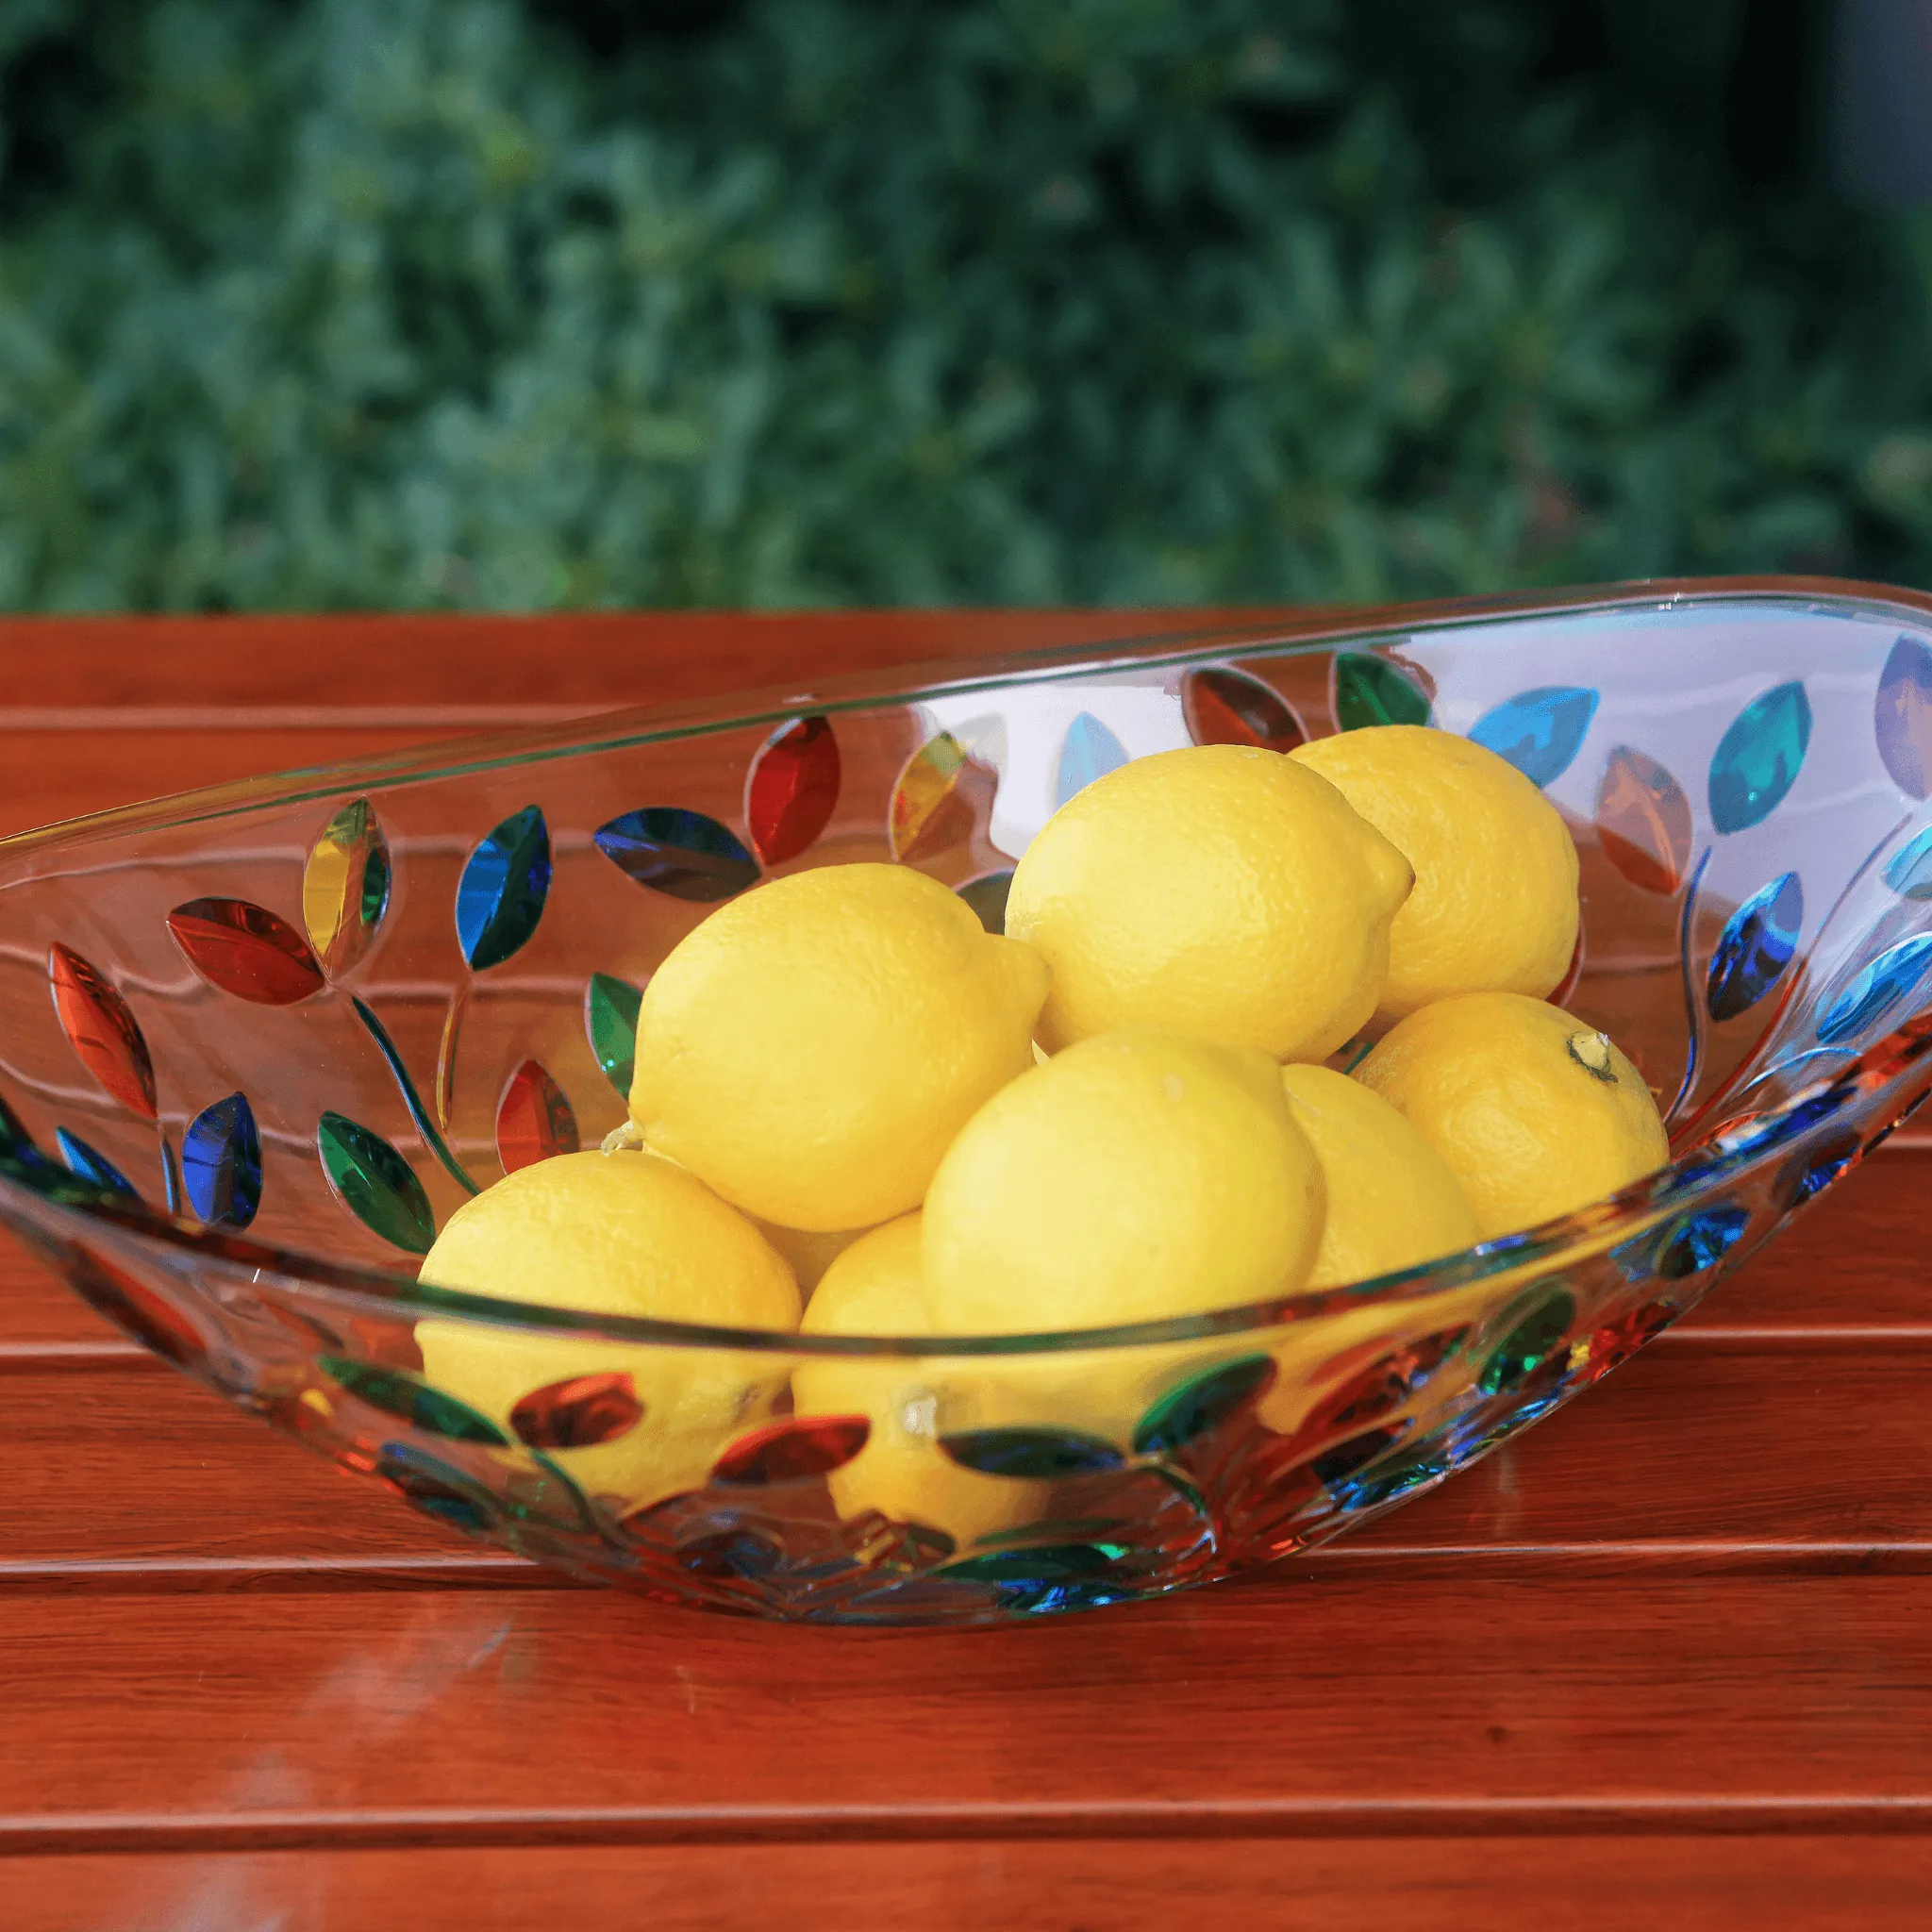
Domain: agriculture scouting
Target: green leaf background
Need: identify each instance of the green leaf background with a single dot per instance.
(468, 304)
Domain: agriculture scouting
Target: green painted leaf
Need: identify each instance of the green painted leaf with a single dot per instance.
(611, 1020)
(411, 1399)
(1372, 691)
(375, 1183)
(1202, 1403)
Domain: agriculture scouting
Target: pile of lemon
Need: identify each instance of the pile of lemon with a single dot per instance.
(847, 1088)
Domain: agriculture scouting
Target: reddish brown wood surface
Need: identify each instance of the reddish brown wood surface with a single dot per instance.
(1666, 1660)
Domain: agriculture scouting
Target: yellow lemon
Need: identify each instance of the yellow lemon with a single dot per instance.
(810, 1050)
(1221, 893)
(1393, 1200)
(613, 1234)
(1495, 905)
(1536, 1114)
(810, 1254)
(875, 1287)
(1130, 1177)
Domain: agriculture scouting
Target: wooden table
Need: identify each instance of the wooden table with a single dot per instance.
(1666, 1660)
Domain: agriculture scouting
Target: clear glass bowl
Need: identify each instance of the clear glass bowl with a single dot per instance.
(294, 1024)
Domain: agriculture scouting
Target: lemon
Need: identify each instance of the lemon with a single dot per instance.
(1536, 1114)
(1221, 893)
(1495, 905)
(1130, 1177)
(875, 1287)
(810, 1254)
(1393, 1200)
(810, 1050)
(613, 1234)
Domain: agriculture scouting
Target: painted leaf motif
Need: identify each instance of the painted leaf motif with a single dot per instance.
(1539, 731)
(500, 897)
(578, 1413)
(1202, 1403)
(1643, 821)
(1700, 1240)
(534, 1119)
(14, 1139)
(610, 1024)
(1758, 759)
(102, 1031)
(1876, 990)
(375, 1183)
(1088, 752)
(1223, 706)
(142, 1311)
(1902, 716)
(1910, 874)
(437, 1489)
(1030, 1453)
(91, 1165)
(942, 795)
(682, 854)
(792, 790)
(1545, 1321)
(986, 895)
(1372, 691)
(221, 1163)
(345, 886)
(792, 1449)
(1755, 947)
(406, 1396)
(246, 950)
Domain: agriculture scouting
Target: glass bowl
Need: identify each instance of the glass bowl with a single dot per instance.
(294, 1024)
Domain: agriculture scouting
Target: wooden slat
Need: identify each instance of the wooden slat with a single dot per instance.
(1856, 1258)
(1293, 1705)
(1798, 1884)
(1774, 1456)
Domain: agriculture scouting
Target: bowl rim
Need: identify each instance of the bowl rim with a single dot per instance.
(34, 1188)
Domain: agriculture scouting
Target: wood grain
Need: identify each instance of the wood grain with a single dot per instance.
(1797, 1884)
(1307, 1703)
(1730, 1456)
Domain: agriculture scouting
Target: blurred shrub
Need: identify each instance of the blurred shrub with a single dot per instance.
(314, 303)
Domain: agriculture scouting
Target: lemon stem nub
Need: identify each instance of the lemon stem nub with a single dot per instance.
(1591, 1052)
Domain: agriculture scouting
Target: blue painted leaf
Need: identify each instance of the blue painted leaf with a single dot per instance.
(1877, 990)
(1033, 1454)
(1539, 731)
(1902, 718)
(500, 897)
(681, 852)
(611, 1022)
(375, 1183)
(436, 1488)
(986, 895)
(221, 1163)
(91, 1165)
(1755, 947)
(1758, 757)
(1049, 1577)
(1700, 1240)
(1909, 875)
(1089, 751)
(1371, 690)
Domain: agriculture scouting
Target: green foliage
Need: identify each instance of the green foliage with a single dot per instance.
(334, 303)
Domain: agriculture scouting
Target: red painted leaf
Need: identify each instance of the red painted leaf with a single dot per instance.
(790, 1451)
(578, 1413)
(792, 789)
(1227, 707)
(102, 1030)
(246, 950)
(534, 1120)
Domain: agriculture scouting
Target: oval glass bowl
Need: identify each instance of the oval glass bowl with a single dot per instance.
(260, 1042)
